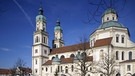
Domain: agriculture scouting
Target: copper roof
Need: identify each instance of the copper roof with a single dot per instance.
(70, 48)
(5, 71)
(68, 60)
(103, 42)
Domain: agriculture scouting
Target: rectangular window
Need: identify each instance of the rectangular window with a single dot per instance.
(36, 51)
(122, 40)
(44, 40)
(35, 70)
(128, 67)
(51, 69)
(107, 18)
(113, 18)
(35, 61)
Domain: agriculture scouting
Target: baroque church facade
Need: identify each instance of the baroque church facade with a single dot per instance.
(111, 38)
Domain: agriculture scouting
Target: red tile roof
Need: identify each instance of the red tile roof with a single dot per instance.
(5, 71)
(49, 62)
(89, 58)
(70, 48)
(28, 70)
(68, 60)
(103, 42)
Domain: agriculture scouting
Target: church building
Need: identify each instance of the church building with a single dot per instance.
(110, 41)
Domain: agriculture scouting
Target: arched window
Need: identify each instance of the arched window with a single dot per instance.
(122, 39)
(62, 57)
(101, 55)
(122, 55)
(90, 68)
(72, 56)
(130, 55)
(117, 55)
(117, 38)
(72, 68)
(36, 39)
(46, 69)
(53, 57)
(66, 69)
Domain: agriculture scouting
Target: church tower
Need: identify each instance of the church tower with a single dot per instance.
(58, 32)
(40, 48)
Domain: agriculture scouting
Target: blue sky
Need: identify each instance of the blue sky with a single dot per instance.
(17, 24)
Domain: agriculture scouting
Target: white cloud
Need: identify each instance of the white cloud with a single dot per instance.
(4, 49)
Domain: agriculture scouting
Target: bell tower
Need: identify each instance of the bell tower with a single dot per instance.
(58, 34)
(40, 48)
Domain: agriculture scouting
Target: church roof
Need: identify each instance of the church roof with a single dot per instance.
(49, 62)
(110, 24)
(68, 60)
(103, 42)
(70, 48)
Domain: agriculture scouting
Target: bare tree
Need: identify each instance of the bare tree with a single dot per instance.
(106, 65)
(18, 64)
(82, 60)
(56, 73)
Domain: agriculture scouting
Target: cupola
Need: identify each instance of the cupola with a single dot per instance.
(56, 60)
(110, 19)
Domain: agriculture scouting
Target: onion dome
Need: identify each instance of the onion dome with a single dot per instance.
(57, 27)
(56, 59)
(40, 16)
(110, 24)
